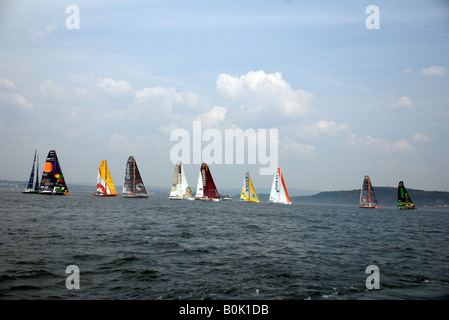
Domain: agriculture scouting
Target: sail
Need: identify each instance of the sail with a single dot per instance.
(133, 186)
(279, 192)
(367, 196)
(248, 192)
(53, 181)
(404, 200)
(180, 188)
(105, 185)
(199, 187)
(206, 189)
(33, 182)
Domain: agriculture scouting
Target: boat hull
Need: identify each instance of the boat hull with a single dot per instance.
(30, 191)
(406, 208)
(134, 196)
(101, 195)
(50, 193)
(207, 199)
(279, 202)
(369, 207)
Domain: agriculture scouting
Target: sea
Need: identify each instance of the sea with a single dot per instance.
(80, 247)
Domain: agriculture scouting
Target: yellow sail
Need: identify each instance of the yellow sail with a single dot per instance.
(248, 192)
(105, 185)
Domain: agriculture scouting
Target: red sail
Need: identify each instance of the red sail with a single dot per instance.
(210, 191)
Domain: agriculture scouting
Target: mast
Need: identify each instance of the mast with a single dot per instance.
(31, 180)
(36, 184)
(133, 164)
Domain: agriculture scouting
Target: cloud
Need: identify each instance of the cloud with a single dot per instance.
(49, 88)
(330, 128)
(407, 71)
(7, 84)
(433, 71)
(170, 102)
(16, 100)
(379, 144)
(261, 92)
(40, 34)
(115, 87)
(420, 137)
(213, 117)
(289, 145)
(403, 102)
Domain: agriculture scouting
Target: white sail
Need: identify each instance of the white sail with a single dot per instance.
(199, 186)
(279, 192)
(275, 192)
(102, 186)
(180, 188)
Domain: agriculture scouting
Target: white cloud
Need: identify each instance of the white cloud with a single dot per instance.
(420, 137)
(170, 102)
(40, 34)
(379, 143)
(50, 88)
(403, 102)
(288, 145)
(16, 100)
(407, 71)
(330, 128)
(7, 84)
(213, 117)
(264, 92)
(115, 87)
(434, 71)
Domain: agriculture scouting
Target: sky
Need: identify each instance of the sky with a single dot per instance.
(351, 90)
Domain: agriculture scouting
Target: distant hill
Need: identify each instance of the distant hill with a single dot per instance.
(386, 196)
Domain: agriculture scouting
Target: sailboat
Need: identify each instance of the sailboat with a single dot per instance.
(248, 192)
(105, 185)
(133, 186)
(33, 182)
(206, 189)
(180, 188)
(367, 196)
(404, 200)
(279, 192)
(53, 182)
